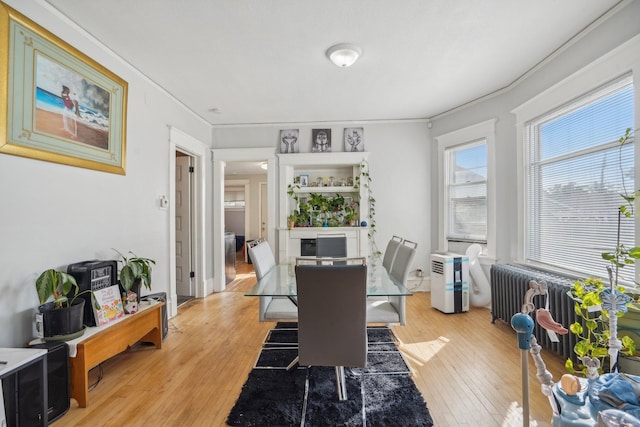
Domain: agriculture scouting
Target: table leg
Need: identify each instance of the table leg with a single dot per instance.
(79, 378)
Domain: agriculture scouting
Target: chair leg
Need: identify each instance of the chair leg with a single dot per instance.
(341, 384)
(293, 363)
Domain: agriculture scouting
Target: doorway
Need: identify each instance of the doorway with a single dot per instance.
(184, 228)
(198, 152)
(222, 158)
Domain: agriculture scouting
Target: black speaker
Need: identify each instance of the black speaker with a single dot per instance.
(93, 274)
(59, 387)
(161, 297)
(23, 397)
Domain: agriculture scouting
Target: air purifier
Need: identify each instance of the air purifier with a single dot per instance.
(450, 283)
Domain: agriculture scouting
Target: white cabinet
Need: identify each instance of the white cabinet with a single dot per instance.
(318, 171)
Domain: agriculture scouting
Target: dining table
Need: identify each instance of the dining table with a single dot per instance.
(280, 281)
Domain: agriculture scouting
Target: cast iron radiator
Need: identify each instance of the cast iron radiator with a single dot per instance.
(509, 283)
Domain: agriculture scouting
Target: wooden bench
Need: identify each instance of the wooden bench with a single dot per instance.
(110, 340)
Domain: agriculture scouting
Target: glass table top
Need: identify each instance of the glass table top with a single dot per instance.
(281, 281)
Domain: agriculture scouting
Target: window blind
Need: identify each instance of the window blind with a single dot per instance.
(576, 173)
(467, 191)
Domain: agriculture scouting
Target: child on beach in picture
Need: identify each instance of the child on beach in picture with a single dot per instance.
(71, 111)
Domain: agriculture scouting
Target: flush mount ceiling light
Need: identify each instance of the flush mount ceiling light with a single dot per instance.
(344, 54)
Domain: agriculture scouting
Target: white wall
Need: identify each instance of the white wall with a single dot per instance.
(53, 215)
(399, 165)
(597, 42)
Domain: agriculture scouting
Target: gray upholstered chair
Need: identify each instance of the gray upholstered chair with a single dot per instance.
(331, 245)
(332, 325)
(391, 251)
(270, 308)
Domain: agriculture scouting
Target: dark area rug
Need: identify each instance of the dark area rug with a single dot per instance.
(381, 394)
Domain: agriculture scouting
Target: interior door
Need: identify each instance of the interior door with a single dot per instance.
(184, 285)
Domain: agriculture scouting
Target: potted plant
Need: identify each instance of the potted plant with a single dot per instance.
(600, 306)
(135, 272)
(350, 215)
(292, 219)
(64, 316)
(593, 330)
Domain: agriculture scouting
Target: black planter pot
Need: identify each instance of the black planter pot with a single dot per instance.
(62, 321)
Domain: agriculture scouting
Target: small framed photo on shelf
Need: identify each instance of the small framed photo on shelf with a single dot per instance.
(304, 180)
(289, 141)
(353, 139)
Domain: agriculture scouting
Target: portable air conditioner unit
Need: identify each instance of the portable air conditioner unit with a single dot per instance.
(450, 283)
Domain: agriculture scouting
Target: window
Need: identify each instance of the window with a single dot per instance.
(466, 192)
(575, 173)
(466, 188)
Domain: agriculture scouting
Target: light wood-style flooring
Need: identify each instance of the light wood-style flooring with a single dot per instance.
(468, 370)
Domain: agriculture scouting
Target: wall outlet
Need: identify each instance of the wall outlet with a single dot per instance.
(419, 272)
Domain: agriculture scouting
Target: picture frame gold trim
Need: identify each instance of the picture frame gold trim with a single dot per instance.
(56, 103)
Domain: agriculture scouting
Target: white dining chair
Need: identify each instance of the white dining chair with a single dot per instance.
(391, 251)
(401, 266)
(270, 308)
(392, 309)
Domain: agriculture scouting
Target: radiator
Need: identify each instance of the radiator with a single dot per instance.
(509, 283)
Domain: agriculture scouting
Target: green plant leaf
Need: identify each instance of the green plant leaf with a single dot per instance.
(629, 345)
(576, 329)
(591, 325)
(635, 252)
(582, 348)
(599, 352)
(569, 366)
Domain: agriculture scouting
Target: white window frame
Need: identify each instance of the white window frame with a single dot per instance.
(619, 61)
(468, 135)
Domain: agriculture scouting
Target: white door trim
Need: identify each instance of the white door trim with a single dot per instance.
(178, 140)
(220, 158)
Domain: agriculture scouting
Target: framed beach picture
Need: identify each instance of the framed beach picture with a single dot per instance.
(289, 141)
(61, 106)
(353, 139)
(321, 140)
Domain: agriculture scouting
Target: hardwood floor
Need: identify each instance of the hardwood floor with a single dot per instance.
(467, 369)
(245, 276)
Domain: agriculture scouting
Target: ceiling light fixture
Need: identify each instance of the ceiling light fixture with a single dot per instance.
(264, 165)
(344, 54)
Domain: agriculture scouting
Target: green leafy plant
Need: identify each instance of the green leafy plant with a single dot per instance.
(364, 179)
(593, 329)
(58, 285)
(350, 213)
(135, 268)
(292, 219)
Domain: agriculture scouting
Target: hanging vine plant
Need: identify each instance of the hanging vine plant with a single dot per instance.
(364, 179)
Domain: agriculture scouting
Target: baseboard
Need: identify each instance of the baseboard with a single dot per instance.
(419, 284)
